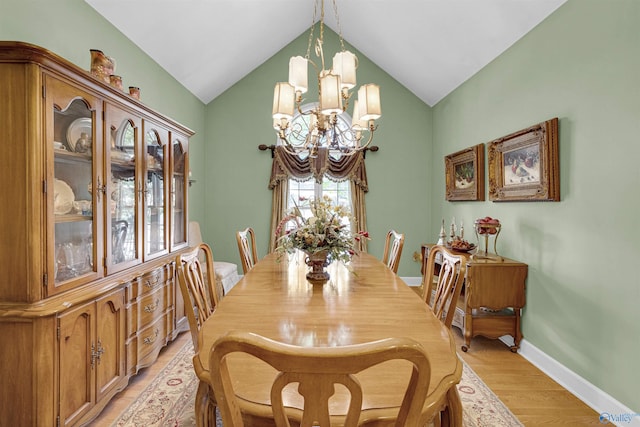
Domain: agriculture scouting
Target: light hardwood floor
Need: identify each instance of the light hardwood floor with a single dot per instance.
(531, 395)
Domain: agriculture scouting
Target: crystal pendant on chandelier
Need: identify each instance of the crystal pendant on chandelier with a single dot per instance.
(322, 124)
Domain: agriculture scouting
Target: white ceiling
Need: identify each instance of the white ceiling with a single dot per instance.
(429, 46)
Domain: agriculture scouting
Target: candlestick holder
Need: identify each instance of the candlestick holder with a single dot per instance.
(442, 236)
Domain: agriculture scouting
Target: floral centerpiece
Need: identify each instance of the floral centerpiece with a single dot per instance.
(324, 236)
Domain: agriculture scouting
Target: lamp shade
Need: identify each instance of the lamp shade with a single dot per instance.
(369, 100)
(330, 98)
(283, 101)
(298, 69)
(356, 122)
(344, 65)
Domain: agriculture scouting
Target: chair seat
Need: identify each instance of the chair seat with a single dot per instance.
(227, 273)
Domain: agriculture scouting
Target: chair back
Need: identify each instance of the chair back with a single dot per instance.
(317, 371)
(200, 291)
(448, 282)
(247, 248)
(393, 250)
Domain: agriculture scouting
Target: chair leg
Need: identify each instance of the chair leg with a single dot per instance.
(205, 406)
(452, 415)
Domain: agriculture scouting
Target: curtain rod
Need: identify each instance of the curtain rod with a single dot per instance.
(272, 147)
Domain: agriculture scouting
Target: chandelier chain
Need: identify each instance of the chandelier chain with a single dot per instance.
(313, 26)
(335, 11)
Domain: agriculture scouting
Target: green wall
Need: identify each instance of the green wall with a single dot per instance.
(582, 65)
(237, 173)
(69, 28)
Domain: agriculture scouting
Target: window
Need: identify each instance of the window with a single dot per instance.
(339, 192)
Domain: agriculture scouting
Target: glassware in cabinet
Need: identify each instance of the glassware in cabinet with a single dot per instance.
(123, 204)
(155, 197)
(73, 203)
(179, 168)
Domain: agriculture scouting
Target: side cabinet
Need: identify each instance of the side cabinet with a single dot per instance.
(492, 298)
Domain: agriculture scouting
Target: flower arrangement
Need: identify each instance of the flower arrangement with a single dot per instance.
(324, 230)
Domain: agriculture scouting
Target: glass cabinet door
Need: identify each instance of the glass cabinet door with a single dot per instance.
(72, 188)
(123, 245)
(179, 173)
(155, 164)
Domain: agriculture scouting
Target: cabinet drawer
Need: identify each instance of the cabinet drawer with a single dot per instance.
(151, 307)
(150, 340)
(149, 282)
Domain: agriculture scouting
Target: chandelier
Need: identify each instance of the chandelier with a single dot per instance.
(325, 124)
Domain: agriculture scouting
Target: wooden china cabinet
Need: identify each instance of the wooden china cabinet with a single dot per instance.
(93, 212)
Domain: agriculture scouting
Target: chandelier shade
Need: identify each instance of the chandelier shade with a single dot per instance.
(344, 65)
(325, 120)
(298, 72)
(330, 95)
(283, 101)
(369, 97)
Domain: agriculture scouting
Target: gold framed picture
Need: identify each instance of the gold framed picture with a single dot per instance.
(523, 166)
(464, 174)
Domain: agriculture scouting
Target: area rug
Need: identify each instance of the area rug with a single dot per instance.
(168, 401)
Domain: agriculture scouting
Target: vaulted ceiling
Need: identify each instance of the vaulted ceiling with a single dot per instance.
(429, 46)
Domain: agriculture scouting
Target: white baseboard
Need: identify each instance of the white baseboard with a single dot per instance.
(611, 411)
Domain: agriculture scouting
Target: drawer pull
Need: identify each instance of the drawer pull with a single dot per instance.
(151, 339)
(151, 283)
(150, 308)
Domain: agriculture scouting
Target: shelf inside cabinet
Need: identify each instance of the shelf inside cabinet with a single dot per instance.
(73, 218)
(64, 155)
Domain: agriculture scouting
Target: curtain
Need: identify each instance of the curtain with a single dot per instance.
(286, 165)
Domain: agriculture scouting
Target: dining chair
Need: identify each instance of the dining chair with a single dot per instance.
(247, 248)
(393, 250)
(201, 294)
(442, 289)
(226, 272)
(317, 371)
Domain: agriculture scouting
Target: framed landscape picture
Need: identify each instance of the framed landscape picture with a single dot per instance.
(523, 166)
(464, 174)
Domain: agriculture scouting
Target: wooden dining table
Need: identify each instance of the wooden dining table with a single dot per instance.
(361, 302)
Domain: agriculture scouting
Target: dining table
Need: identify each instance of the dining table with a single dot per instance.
(362, 301)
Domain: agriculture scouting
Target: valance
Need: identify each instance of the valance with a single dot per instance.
(286, 165)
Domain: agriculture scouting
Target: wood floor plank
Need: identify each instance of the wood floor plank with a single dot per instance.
(529, 393)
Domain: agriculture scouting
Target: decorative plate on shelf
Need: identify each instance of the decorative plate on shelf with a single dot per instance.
(122, 156)
(63, 197)
(76, 128)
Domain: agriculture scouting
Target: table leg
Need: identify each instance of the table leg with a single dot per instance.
(518, 335)
(468, 328)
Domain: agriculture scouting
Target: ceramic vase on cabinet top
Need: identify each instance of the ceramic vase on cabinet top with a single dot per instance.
(102, 66)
